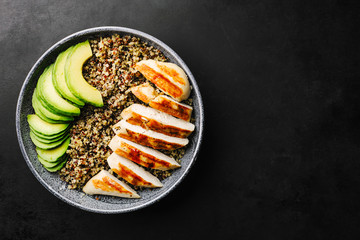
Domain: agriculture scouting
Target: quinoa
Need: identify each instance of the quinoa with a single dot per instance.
(111, 71)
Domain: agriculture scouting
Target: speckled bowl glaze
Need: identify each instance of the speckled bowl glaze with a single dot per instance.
(51, 181)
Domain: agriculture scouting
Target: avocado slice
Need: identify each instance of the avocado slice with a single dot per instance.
(43, 113)
(52, 167)
(45, 128)
(74, 78)
(58, 77)
(50, 112)
(45, 145)
(53, 99)
(52, 137)
(50, 141)
(47, 164)
(53, 155)
(57, 167)
(42, 116)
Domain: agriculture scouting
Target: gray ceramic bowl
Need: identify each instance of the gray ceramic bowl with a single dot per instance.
(51, 181)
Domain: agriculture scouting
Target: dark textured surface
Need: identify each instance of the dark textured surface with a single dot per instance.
(282, 76)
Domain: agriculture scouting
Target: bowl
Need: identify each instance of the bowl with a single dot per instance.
(52, 181)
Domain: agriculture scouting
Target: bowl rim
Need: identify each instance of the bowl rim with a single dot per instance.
(129, 31)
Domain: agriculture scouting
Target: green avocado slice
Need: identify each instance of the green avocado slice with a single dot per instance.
(43, 117)
(49, 111)
(47, 164)
(45, 145)
(52, 167)
(74, 78)
(53, 155)
(58, 77)
(52, 137)
(45, 128)
(50, 141)
(57, 167)
(49, 95)
(43, 113)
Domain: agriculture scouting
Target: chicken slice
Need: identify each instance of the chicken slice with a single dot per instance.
(168, 77)
(144, 156)
(145, 92)
(131, 172)
(157, 121)
(170, 106)
(148, 137)
(104, 183)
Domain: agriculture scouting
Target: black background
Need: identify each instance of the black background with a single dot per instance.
(281, 152)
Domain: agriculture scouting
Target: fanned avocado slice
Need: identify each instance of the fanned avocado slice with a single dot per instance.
(58, 77)
(43, 113)
(42, 116)
(50, 112)
(45, 128)
(47, 164)
(51, 137)
(74, 77)
(57, 167)
(53, 155)
(50, 141)
(53, 99)
(45, 145)
(52, 167)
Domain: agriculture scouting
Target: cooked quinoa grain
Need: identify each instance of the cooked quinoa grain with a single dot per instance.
(111, 71)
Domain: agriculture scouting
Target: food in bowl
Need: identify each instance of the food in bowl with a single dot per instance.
(104, 183)
(111, 72)
(168, 77)
(131, 172)
(145, 156)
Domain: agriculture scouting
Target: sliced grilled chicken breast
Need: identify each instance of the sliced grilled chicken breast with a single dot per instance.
(168, 77)
(170, 106)
(148, 137)
(104, 183)
(157, 121)
(131, 172)
(141, 155)
(145, 92)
